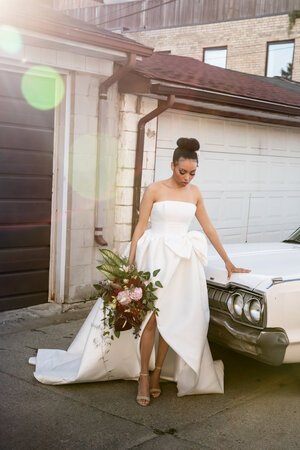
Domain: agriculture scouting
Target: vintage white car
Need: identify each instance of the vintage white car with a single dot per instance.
(257, 313)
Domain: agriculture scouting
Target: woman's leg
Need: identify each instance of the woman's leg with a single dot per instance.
(162, 352)
(161, 356)
(146, 346)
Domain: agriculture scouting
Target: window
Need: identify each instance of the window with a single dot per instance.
(280, 59)
(216, 56)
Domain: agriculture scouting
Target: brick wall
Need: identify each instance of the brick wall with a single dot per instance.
(246, 41)
(82, 185)
(132, 109)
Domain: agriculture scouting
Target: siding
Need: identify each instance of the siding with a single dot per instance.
(156, 14)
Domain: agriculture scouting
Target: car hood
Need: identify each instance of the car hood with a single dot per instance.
(266, 261)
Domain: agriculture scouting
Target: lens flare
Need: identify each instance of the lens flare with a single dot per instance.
(84, 172)
(42, 87)
(10, 40)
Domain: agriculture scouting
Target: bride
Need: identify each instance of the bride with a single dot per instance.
(173, 345)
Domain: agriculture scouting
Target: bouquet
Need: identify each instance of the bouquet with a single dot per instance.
(128, 294)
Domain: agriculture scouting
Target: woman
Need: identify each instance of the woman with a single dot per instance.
(187, 202)
(182, 322)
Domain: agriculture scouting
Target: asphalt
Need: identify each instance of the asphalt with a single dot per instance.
(260, 408)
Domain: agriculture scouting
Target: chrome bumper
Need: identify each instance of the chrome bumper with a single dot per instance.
(266, 345)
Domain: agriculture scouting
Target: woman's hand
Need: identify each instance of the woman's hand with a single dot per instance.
(230, 267)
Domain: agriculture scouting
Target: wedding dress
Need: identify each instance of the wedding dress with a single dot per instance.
(182, 320)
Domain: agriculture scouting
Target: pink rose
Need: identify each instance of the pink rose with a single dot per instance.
(136, 294)
(123, 297)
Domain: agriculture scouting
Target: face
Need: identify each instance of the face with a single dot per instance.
(184, 171)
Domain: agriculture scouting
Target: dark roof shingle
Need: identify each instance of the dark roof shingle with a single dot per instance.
(190, 72)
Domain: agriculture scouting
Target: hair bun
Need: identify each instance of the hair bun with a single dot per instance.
(190, 144)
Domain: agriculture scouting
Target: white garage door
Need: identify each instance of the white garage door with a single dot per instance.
(249, 173)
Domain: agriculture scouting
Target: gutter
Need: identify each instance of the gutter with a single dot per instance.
(102, 119)
(28, 18)
(223, 98)
(163, 106)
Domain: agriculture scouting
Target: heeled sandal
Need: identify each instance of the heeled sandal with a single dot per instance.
(143, 400)
(155, 392)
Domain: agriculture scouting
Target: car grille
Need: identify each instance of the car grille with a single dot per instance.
(219, 296)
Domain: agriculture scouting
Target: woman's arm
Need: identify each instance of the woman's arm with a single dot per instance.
(145, 210)
(213, 236)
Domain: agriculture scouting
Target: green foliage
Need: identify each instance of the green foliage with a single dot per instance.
(293, 16)
(137, 287)
(288, 72)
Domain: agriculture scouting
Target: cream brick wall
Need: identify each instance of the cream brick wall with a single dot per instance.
(246, 41)
(93, 159)
(80, 260)
(131, 111)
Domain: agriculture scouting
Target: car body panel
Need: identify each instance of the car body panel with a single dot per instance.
(275, 281)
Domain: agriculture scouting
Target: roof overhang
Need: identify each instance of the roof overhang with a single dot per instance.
(212, 102)
(70, 35)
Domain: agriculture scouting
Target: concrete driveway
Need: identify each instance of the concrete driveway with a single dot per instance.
(260, 409)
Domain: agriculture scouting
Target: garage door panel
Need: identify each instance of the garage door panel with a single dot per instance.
(293, 139)
(25, 188)
(10, 84)
(212, 135)
(24, 236)
(23, 282)
(20, 259)
(276, 175)
(26, 212)
(273, 209)
(293, 172)
(25, 162)
(18, 112)
(233, 209)
(16, 137)
(210, 168)
(256, 172)
(232, 235)
(247, 172)
(277, 141)
(263, 233)
(258, 138)
(23, 301)
(236, 136)
(291, 207)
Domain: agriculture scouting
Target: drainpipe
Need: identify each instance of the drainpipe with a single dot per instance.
(108, 126)
(116, 76)
(140, 153)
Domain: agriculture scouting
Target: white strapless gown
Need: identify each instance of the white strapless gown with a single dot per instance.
(182, 321)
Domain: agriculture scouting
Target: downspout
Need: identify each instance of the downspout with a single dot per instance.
(140, 153)
(105, 138)
(116, 76)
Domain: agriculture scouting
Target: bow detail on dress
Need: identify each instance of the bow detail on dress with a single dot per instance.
(183, 246)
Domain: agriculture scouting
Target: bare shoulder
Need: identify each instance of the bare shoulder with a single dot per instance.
(151, 191)
(153, 188)
(196, 193)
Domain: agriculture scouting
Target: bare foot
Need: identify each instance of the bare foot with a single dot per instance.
(143, 395)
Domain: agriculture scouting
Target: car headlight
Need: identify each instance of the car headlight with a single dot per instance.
(253, 310)
(235, 304)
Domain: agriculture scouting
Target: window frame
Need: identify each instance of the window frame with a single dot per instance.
(284, 41)
(219, 47)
